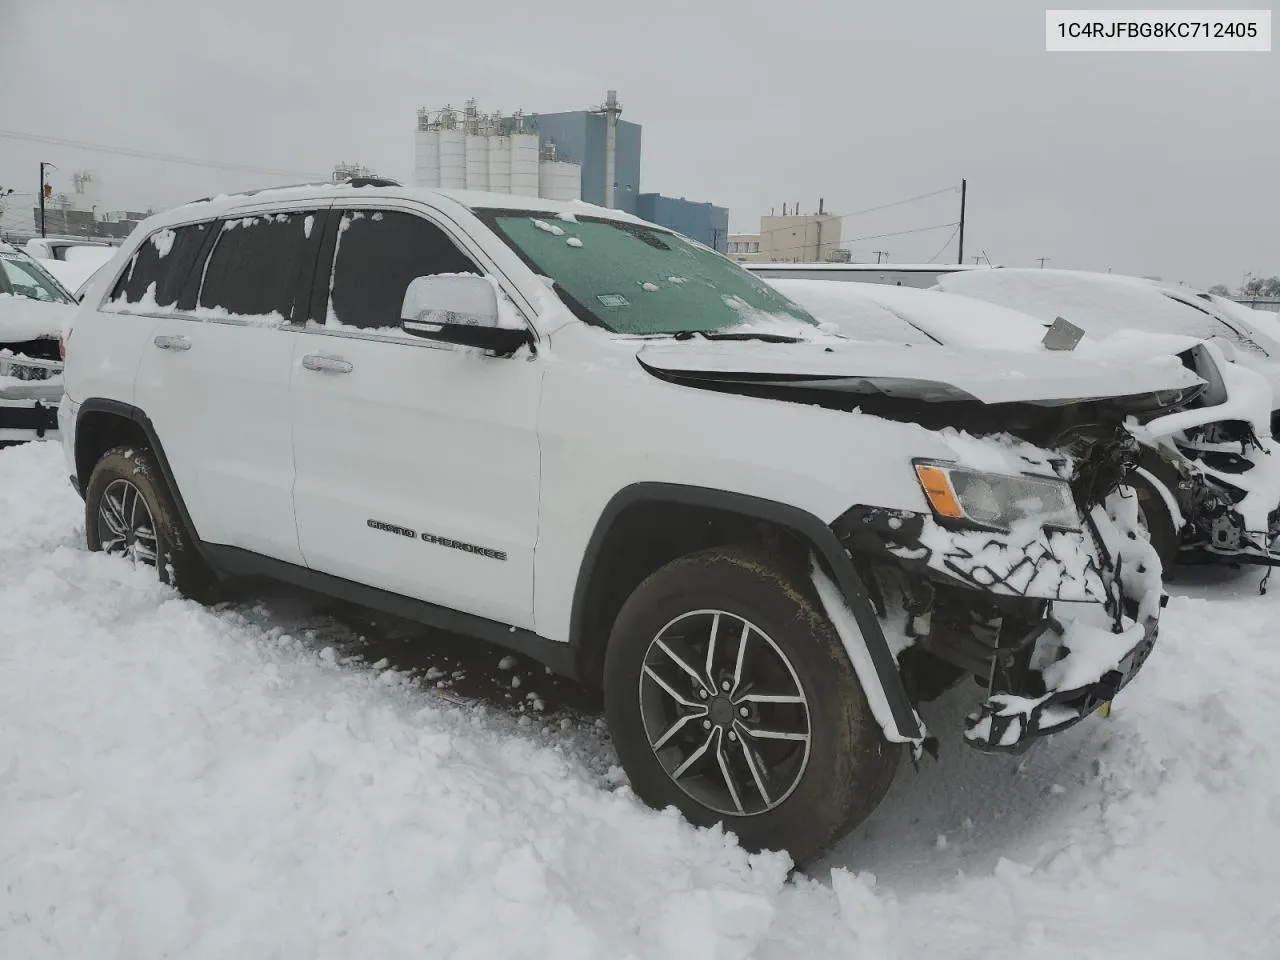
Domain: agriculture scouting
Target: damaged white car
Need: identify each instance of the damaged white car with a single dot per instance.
(566, 431)
(33, 307)
(1208, 478)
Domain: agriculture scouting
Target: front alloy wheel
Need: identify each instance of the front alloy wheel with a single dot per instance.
(730, 696)
(724, 712)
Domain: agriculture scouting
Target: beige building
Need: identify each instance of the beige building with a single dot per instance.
(803, 238)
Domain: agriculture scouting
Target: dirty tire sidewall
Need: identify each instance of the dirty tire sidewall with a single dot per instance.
(177, 562)
(1159, 521)
(850, 765)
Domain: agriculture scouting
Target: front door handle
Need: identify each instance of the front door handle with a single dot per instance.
(323, 364)
(174, 342)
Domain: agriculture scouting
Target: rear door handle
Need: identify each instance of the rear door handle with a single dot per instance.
(174, 342)
(323, 364)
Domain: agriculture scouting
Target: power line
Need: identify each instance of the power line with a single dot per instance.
(866, 210)
(874, 236)
(147, 155)
(945, 245)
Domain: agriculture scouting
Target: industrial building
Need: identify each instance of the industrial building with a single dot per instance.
(590, 155)
(468, 150)
(793, 237)
(704, 222)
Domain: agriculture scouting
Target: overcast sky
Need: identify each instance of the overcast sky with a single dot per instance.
(1164, 164)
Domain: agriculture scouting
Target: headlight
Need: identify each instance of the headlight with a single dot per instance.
(997, 500)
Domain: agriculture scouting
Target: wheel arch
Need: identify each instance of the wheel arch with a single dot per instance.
(102, 424)
(623, 550)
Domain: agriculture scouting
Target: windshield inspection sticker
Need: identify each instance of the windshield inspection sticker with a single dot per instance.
(613, 300)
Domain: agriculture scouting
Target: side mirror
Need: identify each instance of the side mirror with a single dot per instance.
(460, 309)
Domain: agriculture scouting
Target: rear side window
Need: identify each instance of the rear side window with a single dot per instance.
(162, 273)
(378, 253)
(257, 266)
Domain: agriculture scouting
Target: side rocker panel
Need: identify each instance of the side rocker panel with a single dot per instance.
(877, 671)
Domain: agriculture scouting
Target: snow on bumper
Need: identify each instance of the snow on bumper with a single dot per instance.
(1073, 613)
(1097, 665)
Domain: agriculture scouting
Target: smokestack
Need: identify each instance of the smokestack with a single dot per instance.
(820, 206)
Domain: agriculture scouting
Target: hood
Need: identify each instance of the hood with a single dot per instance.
(926, 373)
(22, 318)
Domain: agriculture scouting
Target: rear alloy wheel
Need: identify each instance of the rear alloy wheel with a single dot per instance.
(129, 512)
(125, 524)
(730, 697)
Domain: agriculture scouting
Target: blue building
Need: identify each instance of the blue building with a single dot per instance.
(580, 136)
(704, 222)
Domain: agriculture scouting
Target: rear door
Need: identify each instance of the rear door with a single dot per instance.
(417, 462)
(214, 376)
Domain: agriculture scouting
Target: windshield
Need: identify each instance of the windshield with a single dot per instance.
(636, 279)
(20, 277)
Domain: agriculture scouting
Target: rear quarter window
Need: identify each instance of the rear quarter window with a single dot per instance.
(162, 272)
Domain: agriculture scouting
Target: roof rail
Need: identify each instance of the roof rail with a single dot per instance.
(350, 182)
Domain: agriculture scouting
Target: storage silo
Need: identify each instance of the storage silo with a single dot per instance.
(559, 180)
(426, 158)
(477, 162)
(524, 164)
(453, 159)
(500, 164)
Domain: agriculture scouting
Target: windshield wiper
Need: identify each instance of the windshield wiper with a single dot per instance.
(744, 335)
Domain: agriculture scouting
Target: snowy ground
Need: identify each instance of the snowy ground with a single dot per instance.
(184, 782)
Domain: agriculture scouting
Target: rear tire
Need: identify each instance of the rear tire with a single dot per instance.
(793, 770)
(128, 511)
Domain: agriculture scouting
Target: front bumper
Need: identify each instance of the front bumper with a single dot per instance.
(1009, 723)
(25, 420)
(1052, 625)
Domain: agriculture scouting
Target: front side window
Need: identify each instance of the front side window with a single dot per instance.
(161, 273)
(20, 277)
(637, 279)
(377, 254)
(257, 267)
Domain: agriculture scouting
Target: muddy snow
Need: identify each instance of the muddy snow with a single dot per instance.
(239, 782)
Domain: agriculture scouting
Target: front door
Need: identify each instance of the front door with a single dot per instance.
(417, 463)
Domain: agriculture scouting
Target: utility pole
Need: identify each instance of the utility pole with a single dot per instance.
(1043, 261)
(879, 254)
(964, 188)
(43, 164)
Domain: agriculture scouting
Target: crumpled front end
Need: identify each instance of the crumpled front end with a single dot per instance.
(1050, 623)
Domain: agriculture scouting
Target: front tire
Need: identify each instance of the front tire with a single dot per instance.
(730, 696)
(128, 511)
(1154, 515)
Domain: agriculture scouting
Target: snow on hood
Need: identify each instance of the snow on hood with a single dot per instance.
(22, 318)
(71, 273)
(877, 311)
(1100, 303)
(920, 372)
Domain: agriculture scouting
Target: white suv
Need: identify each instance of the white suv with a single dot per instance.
(589, 439)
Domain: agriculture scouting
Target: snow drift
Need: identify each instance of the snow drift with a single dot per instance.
(180, 781)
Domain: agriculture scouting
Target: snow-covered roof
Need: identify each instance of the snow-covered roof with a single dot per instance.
(469, 199)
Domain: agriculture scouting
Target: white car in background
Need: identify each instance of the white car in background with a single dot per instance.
(1102, 303)
(33, 309)
(1208, 482)
(70, 262)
